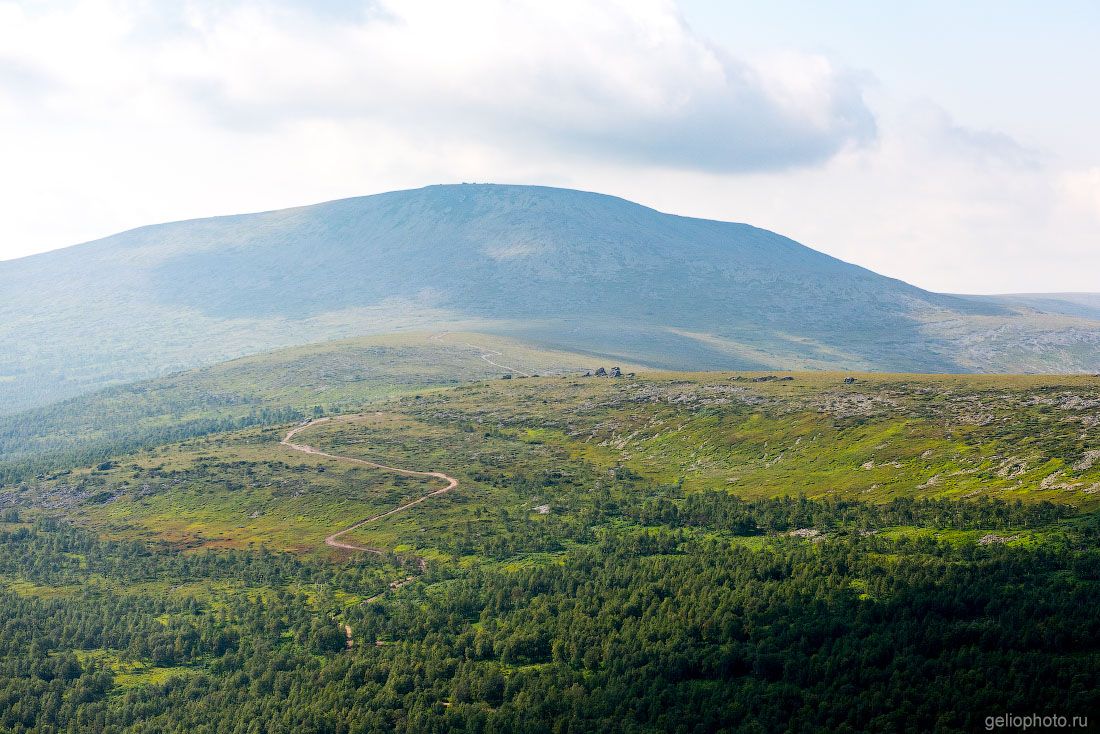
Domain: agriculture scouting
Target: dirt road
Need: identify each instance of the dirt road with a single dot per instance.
(486, 356)
(334, 539)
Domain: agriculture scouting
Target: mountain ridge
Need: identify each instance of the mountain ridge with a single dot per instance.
(556, 267)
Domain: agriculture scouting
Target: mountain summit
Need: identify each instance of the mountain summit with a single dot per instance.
(564, 268)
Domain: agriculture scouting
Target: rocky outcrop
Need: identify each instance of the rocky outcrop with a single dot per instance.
(603, 372)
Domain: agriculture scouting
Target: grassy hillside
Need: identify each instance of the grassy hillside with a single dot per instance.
(669, 552)
(515, 445)
(262, 390)
(571, 270)
(695, 552)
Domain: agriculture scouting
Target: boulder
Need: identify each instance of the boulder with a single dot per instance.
(601, 372)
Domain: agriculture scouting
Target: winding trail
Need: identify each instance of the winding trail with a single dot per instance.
(334, 539)
(485, 357)
(493, 352)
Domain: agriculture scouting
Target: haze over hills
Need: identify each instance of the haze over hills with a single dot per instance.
(1086, 305)
(276, 387)
(566, 269)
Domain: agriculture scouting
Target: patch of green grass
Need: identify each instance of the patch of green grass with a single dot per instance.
(129, 674)
(1012, 538)
(26, 588)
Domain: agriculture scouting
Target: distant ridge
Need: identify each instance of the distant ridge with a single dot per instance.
(1086, 305)
(560, 268)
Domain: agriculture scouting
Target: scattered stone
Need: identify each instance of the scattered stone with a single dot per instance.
(1051, 481)
(1067, 401)
(805, 533)
(933, 481)
(1012, 467)
(992, 538)
(542, 509)
(1087, 461)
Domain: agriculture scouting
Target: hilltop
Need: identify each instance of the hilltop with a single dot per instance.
(564, 269)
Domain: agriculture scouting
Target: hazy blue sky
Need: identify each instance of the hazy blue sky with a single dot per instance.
(952, 145)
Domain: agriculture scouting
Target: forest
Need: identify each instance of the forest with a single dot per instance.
(654, 629)
(919, 565)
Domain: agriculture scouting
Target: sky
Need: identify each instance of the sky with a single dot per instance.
(952, 145)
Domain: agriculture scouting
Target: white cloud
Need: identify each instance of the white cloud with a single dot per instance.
(1082, 190)
(128, 111)
(931, 202)
(118, 113)
(622, 79)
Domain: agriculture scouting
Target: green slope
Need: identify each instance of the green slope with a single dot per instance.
(259, 390)
(668, 552)
(518, 444)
